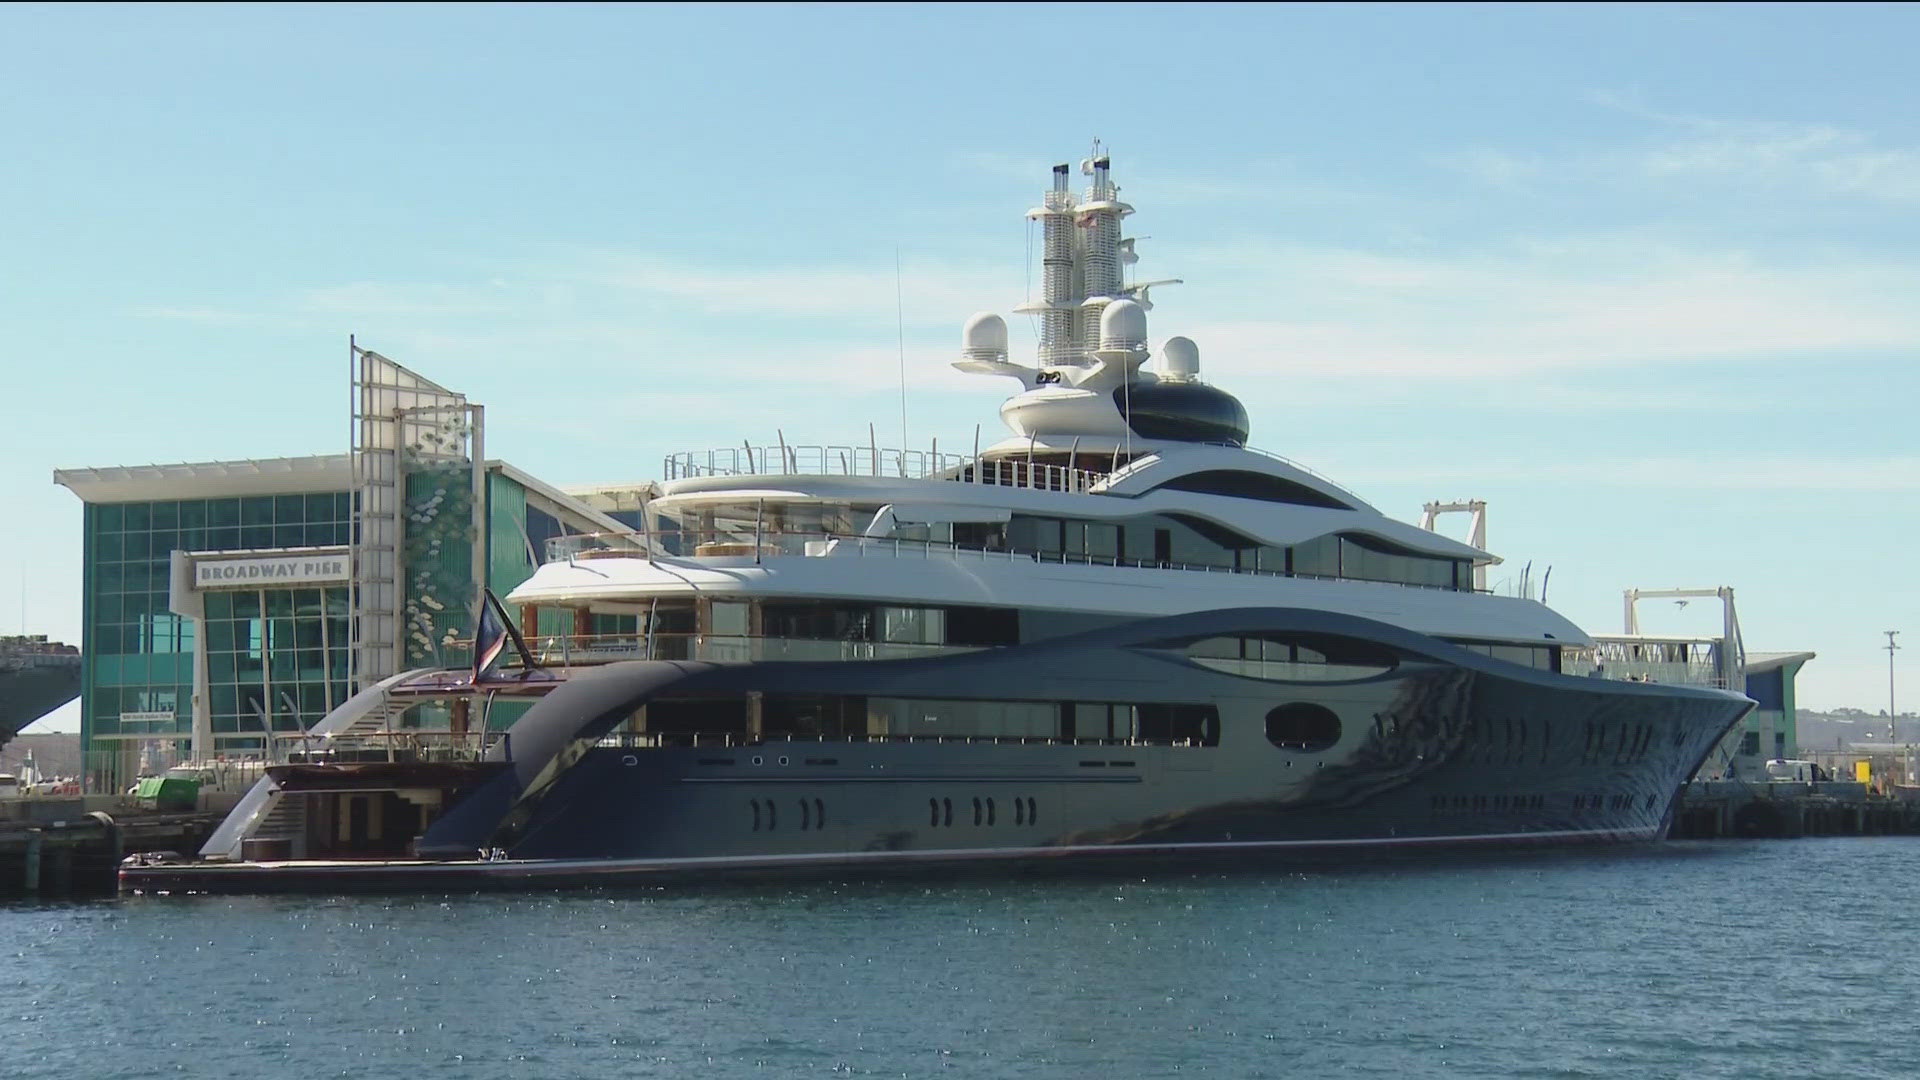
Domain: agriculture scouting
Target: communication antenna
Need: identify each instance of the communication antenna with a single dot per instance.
(900, 324)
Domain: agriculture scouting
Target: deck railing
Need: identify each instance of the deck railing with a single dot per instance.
(769, 543)
(404, 745)
(869, 461)
(650, 740)
(570, 649)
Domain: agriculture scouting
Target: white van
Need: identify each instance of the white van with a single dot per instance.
(1783, 769)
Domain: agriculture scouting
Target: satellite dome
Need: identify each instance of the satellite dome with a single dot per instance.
(1123, 324)
(984, 331)
(1180, 358)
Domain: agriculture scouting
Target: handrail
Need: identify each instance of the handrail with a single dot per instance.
(809, 461)
(871, 461)
(641, 740)
(882, 461)
(431, 745)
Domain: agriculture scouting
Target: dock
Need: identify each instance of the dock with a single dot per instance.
(1734, 809)
(73, 846)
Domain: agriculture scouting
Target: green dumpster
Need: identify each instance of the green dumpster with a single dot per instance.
(167, 793)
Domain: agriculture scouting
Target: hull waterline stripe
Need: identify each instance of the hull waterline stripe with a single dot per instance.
(955, 779)
(585, 869)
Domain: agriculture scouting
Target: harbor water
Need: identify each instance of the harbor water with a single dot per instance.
(1696, 959)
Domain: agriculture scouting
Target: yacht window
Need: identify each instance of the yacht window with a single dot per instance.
(1543, 657)
(1240, 484)
(1101, 720)
(917, 626)
(1369, 559)
(982, 626)
(696, 715)
(1196, 725)
(948, 718)
(812, 716)
(728, 618)
(980, 535)
(819, 620)
(1317, 659)
(1317, 558)
(1304, 726)
(1103, 541)
(1197, 541)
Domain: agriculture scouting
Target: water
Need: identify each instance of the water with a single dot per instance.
(1768, 959)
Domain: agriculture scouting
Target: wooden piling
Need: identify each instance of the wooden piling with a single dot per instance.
(36, 839)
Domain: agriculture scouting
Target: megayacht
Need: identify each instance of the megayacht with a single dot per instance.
(1117, 633)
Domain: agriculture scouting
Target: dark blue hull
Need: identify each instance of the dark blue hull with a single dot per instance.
(1458, 756)
(612, 777)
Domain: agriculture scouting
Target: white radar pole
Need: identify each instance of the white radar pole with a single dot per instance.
(1476, 531)
(1893, 718)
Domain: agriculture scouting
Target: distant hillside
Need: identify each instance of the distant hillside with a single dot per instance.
(1841, 727)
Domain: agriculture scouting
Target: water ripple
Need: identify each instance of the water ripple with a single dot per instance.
(1700, 960)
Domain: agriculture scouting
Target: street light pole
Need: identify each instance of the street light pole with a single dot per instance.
(1891, 646)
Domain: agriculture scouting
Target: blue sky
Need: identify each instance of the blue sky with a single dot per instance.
(1643, 278)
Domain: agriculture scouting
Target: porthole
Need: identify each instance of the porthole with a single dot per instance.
(933, 810)
(1303, 725)
(783, 759)
(629, 760)
(989, 811)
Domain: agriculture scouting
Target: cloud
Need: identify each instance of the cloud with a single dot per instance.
(1732, 471)
(1826, 157)
(1794, 158)
(1532, 307)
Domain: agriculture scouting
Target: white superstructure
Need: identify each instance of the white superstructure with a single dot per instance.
(1122, 491)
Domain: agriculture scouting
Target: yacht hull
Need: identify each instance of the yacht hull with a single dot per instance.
(1446, 749)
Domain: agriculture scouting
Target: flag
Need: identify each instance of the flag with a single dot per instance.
(489, 640)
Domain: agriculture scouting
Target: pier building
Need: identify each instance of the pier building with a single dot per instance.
(226, 600)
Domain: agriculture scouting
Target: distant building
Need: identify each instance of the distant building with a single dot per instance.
(1770, 731)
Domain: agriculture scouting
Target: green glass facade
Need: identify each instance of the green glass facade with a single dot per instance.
(275, 657)
(139, 655)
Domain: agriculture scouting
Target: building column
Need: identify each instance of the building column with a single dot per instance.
(185, 600)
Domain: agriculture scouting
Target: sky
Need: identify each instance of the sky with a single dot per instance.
(1643, 278)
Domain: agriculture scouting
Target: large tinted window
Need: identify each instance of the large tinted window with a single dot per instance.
(1251, 485)
(1188, 412)
(1292, 658)
(1368, 559)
